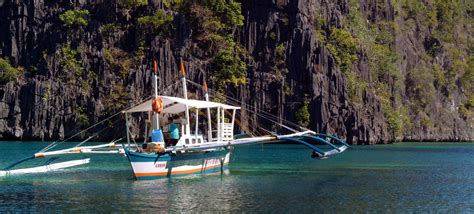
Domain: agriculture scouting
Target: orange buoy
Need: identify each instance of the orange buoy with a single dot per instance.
(157, 105)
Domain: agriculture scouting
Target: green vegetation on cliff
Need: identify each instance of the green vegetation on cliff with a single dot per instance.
(229, 66)
(303, 116)
(69, 60)
(214, 23)
(406, 65)
(343, 47)
(129, 4)
(7, 71)
(75, 18)
(443, 69)
(156, 24)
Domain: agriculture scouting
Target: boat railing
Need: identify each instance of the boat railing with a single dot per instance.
(227, 133)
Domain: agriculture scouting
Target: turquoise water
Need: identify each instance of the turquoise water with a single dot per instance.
(405, 177)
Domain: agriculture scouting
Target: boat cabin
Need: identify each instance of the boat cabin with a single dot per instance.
(200, 122)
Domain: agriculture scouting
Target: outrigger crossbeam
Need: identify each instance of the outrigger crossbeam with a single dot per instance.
(109, 148)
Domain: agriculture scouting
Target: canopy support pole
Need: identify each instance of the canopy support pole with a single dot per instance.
(127, 124)
(209, 125)
(222, 123)
(218, 124)
(233, 120)
(197, 126)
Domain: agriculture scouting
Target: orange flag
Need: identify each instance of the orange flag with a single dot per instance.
(182, 69)
(205, 87)
(155, 66)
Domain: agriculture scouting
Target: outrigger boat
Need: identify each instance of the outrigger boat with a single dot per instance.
(196, 151)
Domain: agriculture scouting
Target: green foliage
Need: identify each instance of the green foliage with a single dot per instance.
(130, 4)
(229, 66)
(116, 100)
(467, 80)
(119, 61)
(219, 97)
(451, 35)
(156, 24)
(229, 12)
(355, 86)
(393, 120)
(75, 18)
(417, 11)
(7, 72)
(109, 29)
(46, 92)
(440, 16)
(396, 118)
(280, 50)
(69, 60)
(438, 74)
(319, 21)
(377, 43)
(213, 24)
(382, 62)
(273, 35)
(470, 101)
(320, 25)
(455, 69)
(447, 30)
(173, 4)
(279, 67)
(425, 120)
(464, 112)
(420, 86)
(447, 13)
(343, 47)
(303, 117)
(82, 118)
(404, 116)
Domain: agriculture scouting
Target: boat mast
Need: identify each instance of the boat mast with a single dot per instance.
(155, 74)
(185, 92)
(209, 125)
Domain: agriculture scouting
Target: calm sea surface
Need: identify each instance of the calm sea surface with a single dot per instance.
(404, 177)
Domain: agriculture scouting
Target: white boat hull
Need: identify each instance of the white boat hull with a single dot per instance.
(147, 166)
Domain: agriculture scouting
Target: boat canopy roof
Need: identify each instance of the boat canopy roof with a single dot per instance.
(175, 105)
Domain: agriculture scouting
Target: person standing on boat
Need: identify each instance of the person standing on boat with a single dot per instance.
(174, 132)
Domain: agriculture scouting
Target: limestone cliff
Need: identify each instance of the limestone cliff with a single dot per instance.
(72, 74)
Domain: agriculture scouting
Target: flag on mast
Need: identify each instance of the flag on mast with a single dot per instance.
(155, 66)
(182, 70)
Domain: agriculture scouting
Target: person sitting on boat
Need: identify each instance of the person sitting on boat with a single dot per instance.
(174, 131)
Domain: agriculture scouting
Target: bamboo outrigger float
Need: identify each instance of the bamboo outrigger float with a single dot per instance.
(196, 151)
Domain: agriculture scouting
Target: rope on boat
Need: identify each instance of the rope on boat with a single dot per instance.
(274, 119)
(52, 145)
(55, 143)
(263, 114)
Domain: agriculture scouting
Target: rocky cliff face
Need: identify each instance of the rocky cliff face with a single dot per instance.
(71, 77)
